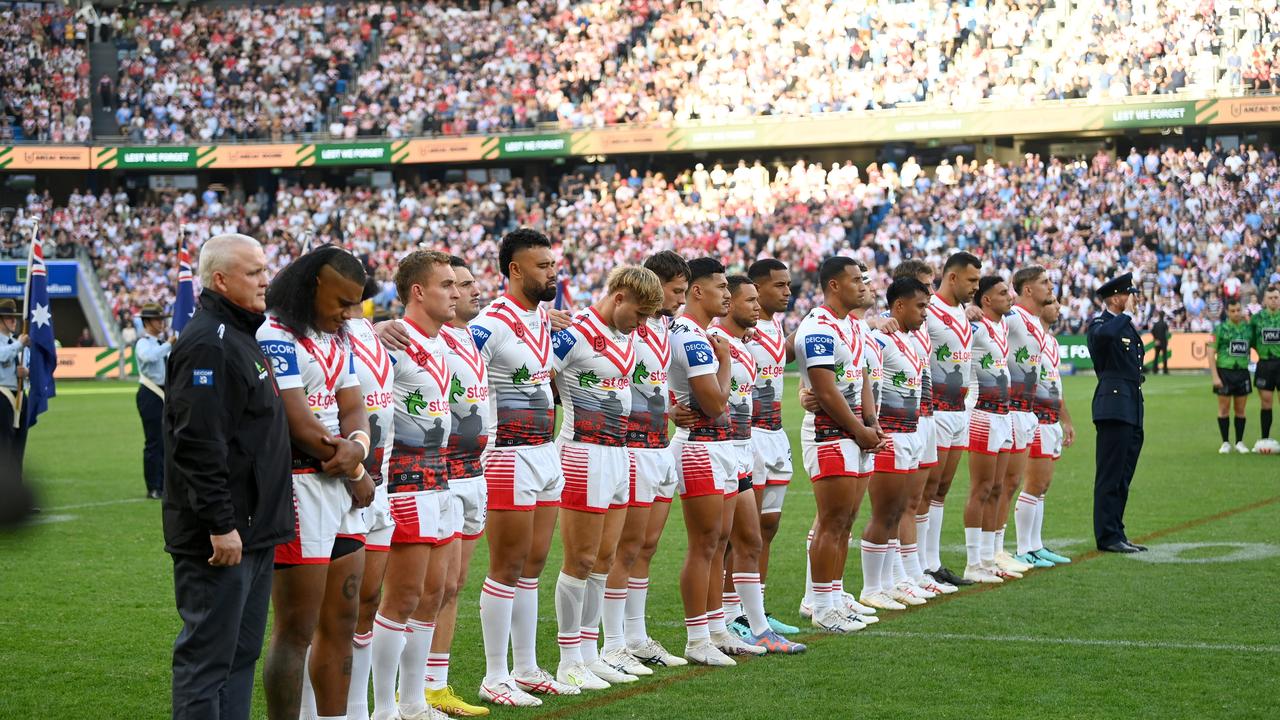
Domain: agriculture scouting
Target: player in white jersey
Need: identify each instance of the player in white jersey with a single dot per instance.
(521, 467)
(1032, 288)
(706, 465)
(951, 345)
(594, 364)
(743, 597)
(990, 432)
(1054, 431)
(316, 573)
(418, 489)
(902, 368)
(772, 472)
(653, 474)
(829, 353)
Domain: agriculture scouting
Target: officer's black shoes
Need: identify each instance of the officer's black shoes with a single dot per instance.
(1120, 547)
(1141, 548)
(943, 575)
(154, 495)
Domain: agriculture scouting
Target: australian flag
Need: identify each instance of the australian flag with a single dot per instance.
(563, 297)
(184, 304)
(44, 354)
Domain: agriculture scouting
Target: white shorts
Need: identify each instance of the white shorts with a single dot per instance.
(596, 478)
(653, 476)
(425, 516)
(902, 454)
(745, 456)
(928, 431)
(523, 478)
(704, 468)
(951, 429)
(772, 457)
(378, 522)
(470, 506)
(834, 458)
(322, 511)
(990, 433)
(1024, 429)
(1048, 441)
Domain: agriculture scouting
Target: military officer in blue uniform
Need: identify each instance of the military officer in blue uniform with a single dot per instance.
(1117, 352)
(151, 352)
(13, 356)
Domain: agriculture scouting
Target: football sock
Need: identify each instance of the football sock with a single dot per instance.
(1240, 420)
(615, 612)
(524, 626)
(1035, 542)
(988, 547)
(388, 644)
(922, 538)
(873, 557)
(933, 560)
(1024, 520)
(696, 627)
(361, 666)
(437, 671)
(592, 607)
(1265, 418)
(809, 599)
(973, 546)
(307, 708)
(748, 586)
(715, 621)
(1000, 539)
(637, 595)
(496, 602)
(910, 555)
(1223, 426)
(569, 598)
(413, 662)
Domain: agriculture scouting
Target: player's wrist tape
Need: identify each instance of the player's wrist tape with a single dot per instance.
(356, 437)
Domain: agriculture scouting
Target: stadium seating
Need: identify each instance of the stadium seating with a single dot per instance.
(44, 75)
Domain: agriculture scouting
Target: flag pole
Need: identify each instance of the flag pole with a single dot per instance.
(26, 320)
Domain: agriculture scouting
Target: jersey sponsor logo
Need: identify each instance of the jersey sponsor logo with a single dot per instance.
(563, 342)
(643, 375)
(1271, 336)
(202, 378)
(698, 353)
(816, 346)
(321, 401)
(1240, 348)
(522, 376)
(284, 358)
(415, 404)
(377, 400)
(480, 336)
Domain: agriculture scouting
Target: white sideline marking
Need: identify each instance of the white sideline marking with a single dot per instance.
(109, 390)
(104, 503)
(43, 519)
(1134, 644)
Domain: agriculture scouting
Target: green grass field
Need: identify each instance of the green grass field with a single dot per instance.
(87, 616)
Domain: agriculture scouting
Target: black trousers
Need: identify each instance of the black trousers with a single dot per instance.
(151, 410)
(1161, 356)
(13, 441)
(224, 619)
(1118, 447)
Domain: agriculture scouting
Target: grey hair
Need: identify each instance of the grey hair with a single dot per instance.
(216, 254)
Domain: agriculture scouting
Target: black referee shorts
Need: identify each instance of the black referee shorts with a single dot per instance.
(1235, 383)
(1267, 376)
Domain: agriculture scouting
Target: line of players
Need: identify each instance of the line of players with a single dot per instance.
(452, 410)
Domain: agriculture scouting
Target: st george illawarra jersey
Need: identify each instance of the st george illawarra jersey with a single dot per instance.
(826, 341)
(951, 336)
(515, 342)
(594, 364)
(991, 365)
(647, 423)
(691, 357)
(1026, 338)
(769, 348)
(423, 415)
(923, 347)
(903, 367)
(742, 382)
(373, 367)
(872, 359)
(319, 364)
(468, 403)
(1048, 402)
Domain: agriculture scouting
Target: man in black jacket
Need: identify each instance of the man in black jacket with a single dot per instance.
(1160, 334)
(227, 490)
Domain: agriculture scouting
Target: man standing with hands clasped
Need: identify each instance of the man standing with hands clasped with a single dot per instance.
(227, 495)
(152, 351)
(1117, 350)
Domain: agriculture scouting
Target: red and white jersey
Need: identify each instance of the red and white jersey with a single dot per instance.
(468, 403)
(647, 423)
(826, 341)
(1026, 340)
(872, 358)
(769, 349)
(593, 364)
(924, 348)
(991, 364)
(742, 382)
(319, 364)
(691, 357)
(376, 374)
(1048, 400)
(951, 336)
(903, 368)
(515, 342)
(422, 413)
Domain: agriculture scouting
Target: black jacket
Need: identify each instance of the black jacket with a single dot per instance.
(226, 437)
(1117, 351)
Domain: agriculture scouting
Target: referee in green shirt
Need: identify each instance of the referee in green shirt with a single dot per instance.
(1266, 341)
(1230, 351)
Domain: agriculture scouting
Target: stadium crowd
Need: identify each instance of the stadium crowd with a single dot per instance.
(44, 75)
(1194, 227)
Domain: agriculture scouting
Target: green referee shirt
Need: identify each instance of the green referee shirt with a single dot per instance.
(1266, 334)
(1232, 342)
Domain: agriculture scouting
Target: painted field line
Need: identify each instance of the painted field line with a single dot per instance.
(1031, 639)
(109, 390)
(104, 503)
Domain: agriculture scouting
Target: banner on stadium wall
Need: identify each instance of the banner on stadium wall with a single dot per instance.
(1260, 109)
(93, 362)
(43, 157)
(63, 278)
(153, 157)
(529, 146)
(1187, 351)
(370, 153)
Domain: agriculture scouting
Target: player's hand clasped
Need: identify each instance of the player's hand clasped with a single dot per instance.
(226, 549)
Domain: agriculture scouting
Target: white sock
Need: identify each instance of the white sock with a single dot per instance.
(496, 602)
(696, 627)
(524, 626)
(809, 598)
(988, 549)
(331, 717)
(887, 579)
(569, 599)
(437, 671)
(615, 613)
(732, 604)
(1000, 540)
(1036, 542)
(748, 586)
(361, 665)
(933, 560)
(837, 591)
(821, 593)
(388, 644)
(715, 621)
(910, 556)
(1024, 520)
(922, 537)
(307, 708)
(413, 662)
(973, 546)
(873, 557)
(592, 609)
(637, 595)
